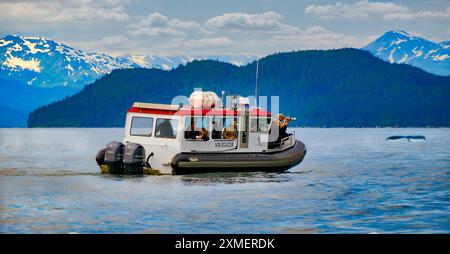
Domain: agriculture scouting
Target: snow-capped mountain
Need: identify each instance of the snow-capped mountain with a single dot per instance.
(170, 62)
(401, 47)
(38, 61)
(42, 62)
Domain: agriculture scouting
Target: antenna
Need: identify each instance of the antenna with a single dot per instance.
(223, 103)
(256, 81)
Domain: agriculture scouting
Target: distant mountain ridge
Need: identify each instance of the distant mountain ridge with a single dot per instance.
(402, 47)
(322, 88)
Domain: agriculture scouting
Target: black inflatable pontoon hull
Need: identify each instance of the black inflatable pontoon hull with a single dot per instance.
(187, 163)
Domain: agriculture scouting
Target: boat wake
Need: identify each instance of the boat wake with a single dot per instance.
(18, 172)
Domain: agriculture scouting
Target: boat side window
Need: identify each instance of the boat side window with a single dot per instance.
(166, 128)
(260, 124)
(141, 126)
(196, 128)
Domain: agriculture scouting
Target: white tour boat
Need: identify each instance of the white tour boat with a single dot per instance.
(177, 139)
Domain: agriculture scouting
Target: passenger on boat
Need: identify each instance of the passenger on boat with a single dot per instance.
(282, 125)
(278, 131)
(230, 131)
(203, 134)
(192, 133)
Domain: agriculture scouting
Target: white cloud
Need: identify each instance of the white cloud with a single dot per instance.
(156, 24)
(420, 14)
(315, 37)
(267, 22)
(156, 31)
(357, 10)
(365, 9)
(89, 14)
(64, 10)
(18, 10)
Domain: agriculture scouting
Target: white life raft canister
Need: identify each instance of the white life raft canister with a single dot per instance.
(207, 100)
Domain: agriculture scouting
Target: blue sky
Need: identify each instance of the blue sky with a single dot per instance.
(197, 27)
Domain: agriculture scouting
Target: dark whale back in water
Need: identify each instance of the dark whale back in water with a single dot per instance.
(406, 137)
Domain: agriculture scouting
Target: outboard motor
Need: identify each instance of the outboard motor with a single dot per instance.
(100, 158)
(133, 159)
(114, 156)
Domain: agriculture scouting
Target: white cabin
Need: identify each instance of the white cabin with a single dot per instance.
(165, 130)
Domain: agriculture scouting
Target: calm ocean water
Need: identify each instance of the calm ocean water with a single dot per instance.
(351, 181)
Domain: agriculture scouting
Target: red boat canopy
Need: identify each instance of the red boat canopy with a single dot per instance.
(162, 109)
